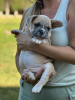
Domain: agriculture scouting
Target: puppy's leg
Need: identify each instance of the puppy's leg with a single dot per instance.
(44, 78)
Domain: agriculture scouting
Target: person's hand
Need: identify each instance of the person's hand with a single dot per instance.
(23, 38)
(37, 73)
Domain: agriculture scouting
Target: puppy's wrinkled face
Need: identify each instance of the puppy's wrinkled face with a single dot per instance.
(41, 30)
(40, 26)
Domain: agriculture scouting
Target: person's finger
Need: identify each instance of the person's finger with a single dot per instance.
(51, 75)
(15, 36)
(15, 31)
(21, 47)
(39, 73)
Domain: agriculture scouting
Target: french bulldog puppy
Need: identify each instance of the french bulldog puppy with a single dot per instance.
(40, 28)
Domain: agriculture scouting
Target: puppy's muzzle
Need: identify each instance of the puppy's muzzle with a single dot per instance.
(40, 33)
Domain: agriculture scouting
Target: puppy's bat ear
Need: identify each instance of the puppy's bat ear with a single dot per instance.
(30, 19)
(56, 23)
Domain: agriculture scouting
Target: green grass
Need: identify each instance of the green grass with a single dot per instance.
(10, 93)
(9, 76)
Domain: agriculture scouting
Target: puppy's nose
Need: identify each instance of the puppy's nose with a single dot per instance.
(41, 32)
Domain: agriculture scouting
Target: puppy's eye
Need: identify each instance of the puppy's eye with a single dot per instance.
(36, 24)
(48, 28)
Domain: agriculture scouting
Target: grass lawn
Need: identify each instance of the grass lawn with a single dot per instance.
(9, 76)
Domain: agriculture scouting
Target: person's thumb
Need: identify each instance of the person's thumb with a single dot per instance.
(39, 73)
(51, 75)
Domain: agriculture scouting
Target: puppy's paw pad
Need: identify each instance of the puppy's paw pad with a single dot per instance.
(25, 76)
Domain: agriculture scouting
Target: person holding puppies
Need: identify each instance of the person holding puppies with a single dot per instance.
(62, 50)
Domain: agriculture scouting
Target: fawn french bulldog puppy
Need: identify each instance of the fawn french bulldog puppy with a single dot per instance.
(39, 26)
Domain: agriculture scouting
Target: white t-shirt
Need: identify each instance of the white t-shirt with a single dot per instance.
(65, 72)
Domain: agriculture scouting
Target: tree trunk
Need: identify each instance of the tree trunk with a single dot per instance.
(7, 7)
(15, 12)
(1, 13)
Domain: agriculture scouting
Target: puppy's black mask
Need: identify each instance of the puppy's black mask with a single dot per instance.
(40, 31)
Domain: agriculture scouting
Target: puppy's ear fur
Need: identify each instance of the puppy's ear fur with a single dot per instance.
(30, 19)
(56, 23)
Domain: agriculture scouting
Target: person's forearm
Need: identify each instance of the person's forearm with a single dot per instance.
(65, 54)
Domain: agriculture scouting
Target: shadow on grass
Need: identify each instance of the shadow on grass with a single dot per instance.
(9, 93)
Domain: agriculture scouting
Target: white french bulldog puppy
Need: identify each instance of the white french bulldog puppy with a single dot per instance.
(39, 26)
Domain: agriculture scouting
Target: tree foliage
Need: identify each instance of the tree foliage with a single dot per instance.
(26, 4)
(2, 5)
(20, 4)
(16, 4)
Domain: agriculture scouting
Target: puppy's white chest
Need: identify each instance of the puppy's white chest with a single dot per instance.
(39, 41)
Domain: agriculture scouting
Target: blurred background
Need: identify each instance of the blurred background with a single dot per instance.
(10, 17)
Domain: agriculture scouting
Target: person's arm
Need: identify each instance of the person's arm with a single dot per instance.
(18, 48)
(65, 54)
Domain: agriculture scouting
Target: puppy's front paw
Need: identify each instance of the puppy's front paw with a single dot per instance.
(36, 89)
(36, 40)
(28, 76)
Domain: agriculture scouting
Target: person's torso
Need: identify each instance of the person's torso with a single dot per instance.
(65, 72)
